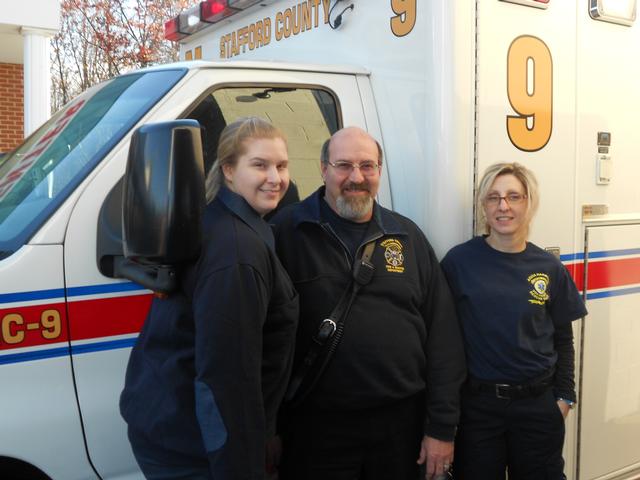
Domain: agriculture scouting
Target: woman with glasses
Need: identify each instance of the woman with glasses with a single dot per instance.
(516, 303)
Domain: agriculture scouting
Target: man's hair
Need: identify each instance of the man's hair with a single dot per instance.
(526, 178)
(324, 153)
(232, 144)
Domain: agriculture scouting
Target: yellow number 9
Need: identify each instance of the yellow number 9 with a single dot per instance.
(530, 91)
(405, 18)
(51, 325)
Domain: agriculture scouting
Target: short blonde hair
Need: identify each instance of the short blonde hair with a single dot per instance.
(526, 178)
(232, 144)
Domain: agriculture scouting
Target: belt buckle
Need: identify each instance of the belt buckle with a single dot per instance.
(505, 395)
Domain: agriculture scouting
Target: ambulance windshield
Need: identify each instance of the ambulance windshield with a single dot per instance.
(41, 173)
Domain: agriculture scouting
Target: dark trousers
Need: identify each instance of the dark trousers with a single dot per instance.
(157, 463)
(524, 436)
(373, 444)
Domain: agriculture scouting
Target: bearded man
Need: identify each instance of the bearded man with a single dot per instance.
(387, 399)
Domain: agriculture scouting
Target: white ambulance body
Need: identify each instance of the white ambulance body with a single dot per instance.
(448, 87)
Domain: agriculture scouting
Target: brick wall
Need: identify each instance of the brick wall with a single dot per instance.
(11, 106)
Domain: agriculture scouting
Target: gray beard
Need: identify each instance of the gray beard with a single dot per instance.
(354, 208)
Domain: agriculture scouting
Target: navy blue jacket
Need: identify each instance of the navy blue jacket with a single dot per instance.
(402, 336)
(208, 372)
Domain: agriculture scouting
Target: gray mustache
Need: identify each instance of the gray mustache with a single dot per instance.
(364, 187)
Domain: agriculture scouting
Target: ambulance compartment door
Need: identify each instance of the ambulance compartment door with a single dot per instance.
(609, 407)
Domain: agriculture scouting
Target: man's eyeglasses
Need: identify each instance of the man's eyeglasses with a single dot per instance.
(510, 198)
(366, 168)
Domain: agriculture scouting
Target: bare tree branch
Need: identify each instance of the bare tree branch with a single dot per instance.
(99, 39)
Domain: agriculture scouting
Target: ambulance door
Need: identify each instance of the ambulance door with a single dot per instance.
(609, 406)
(106, 314)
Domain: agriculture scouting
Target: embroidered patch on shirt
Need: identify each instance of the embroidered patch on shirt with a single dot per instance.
(540, 282)
(393, 255)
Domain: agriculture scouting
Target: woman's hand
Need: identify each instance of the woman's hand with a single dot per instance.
(564, 408)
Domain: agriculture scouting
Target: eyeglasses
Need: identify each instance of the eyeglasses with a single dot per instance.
(509, 198)
(366, 168)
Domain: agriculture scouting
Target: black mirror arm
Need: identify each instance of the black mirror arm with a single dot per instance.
(159, 278)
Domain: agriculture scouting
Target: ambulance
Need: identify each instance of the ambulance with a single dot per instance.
(448, 87)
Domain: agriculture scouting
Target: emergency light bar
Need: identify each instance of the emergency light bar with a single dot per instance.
(188, 20)
(196, 18)
(172, 30)
(214, 11)
(242, 4)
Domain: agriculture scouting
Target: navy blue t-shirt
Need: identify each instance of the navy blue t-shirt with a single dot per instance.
(509, 305)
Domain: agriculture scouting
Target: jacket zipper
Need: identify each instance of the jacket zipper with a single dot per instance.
(327, 228)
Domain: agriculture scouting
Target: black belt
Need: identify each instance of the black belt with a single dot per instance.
(508, 391)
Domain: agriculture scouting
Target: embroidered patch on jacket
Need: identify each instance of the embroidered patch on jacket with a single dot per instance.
(540, 282)
(393, 255)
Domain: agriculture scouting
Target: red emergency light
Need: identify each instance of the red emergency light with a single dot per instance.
(212, 11)
(196, 18)
(172, 30)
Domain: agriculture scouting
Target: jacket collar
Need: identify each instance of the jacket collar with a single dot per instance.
(239, 206)
(309, 212)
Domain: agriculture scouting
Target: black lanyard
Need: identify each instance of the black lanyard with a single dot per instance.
(330, 332)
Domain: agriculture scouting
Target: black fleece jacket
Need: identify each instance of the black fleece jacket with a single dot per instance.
(402, 336)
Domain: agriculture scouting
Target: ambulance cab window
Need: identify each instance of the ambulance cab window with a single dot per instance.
(307, 117)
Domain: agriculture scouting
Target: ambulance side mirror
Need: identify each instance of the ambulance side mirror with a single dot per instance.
(163, 197)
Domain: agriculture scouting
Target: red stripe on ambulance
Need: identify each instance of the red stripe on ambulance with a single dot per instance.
(107, 317)
(607, 273)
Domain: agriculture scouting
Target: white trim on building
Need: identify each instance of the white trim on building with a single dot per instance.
(25, 31)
